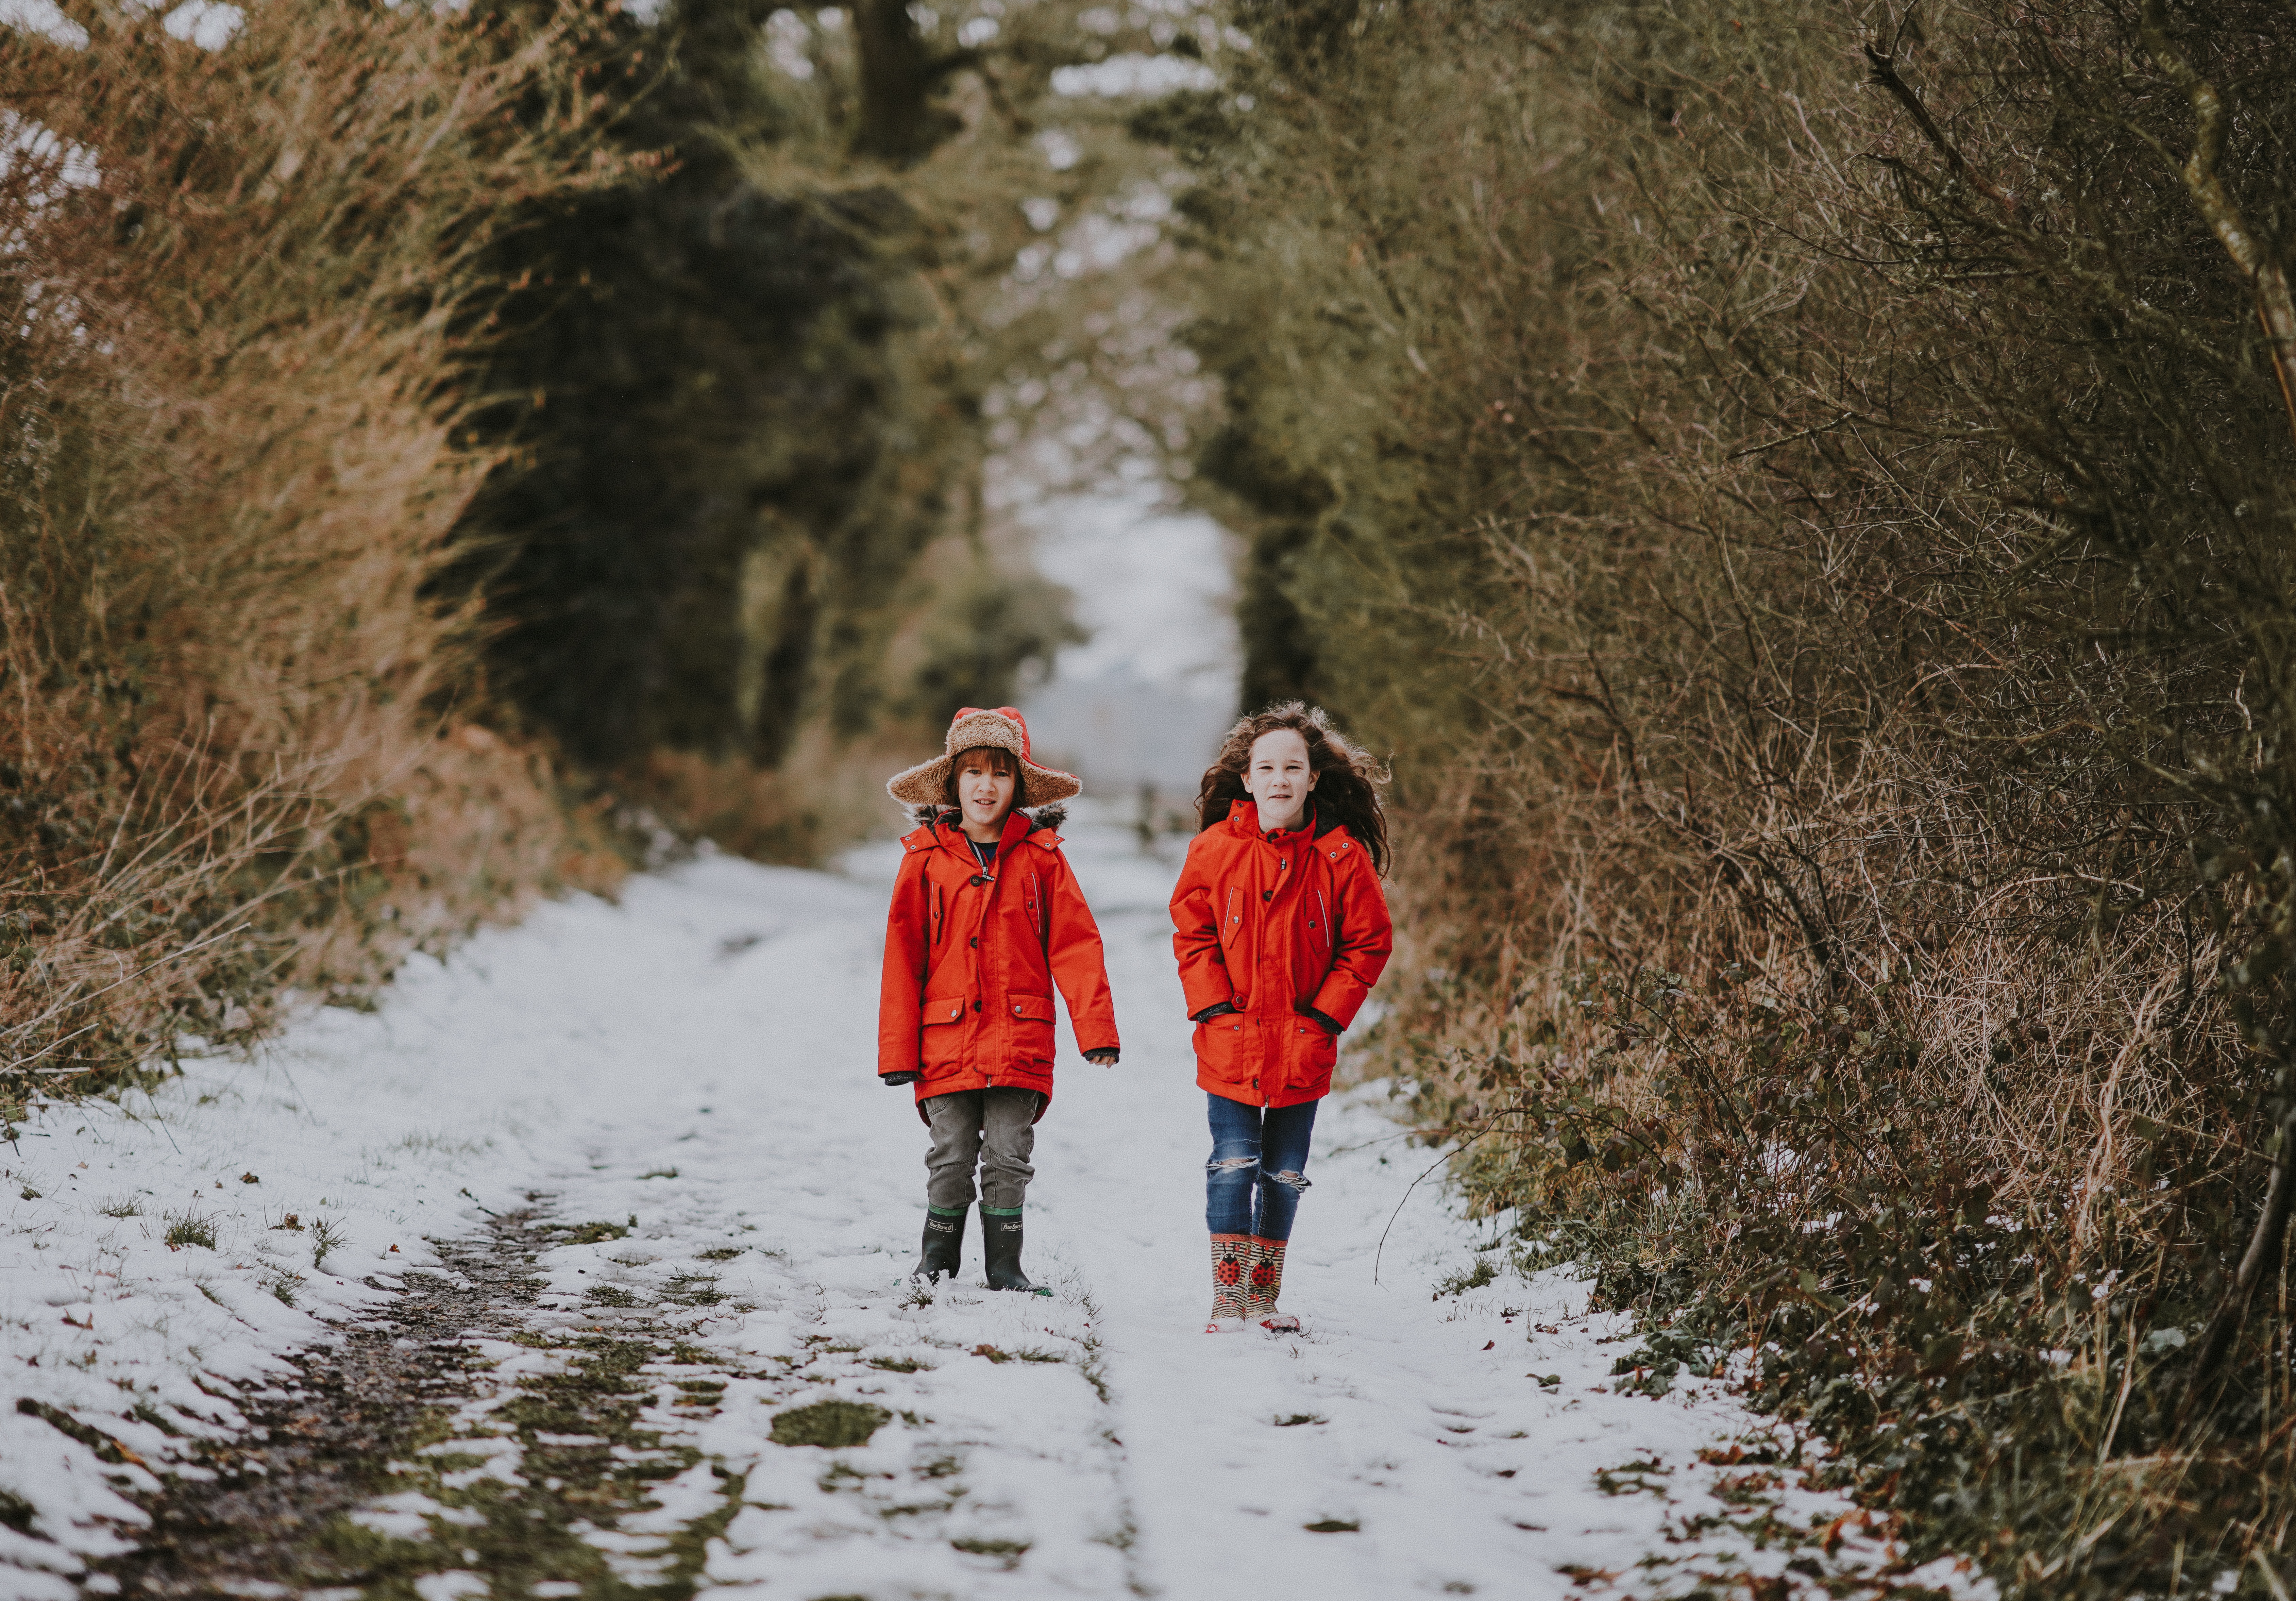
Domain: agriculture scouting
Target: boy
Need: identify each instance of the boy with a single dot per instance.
(987, 920)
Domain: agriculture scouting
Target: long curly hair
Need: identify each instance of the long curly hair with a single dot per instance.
(1346, 778)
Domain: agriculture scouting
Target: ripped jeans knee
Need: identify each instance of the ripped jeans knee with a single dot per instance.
(1257, 1172)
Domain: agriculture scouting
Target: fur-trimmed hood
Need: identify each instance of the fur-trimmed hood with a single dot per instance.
(1002, 728)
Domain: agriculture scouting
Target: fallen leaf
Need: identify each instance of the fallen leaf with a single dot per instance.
(1489, 1343)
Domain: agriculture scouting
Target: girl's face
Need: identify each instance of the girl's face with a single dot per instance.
(1279, 778)
(984, 789)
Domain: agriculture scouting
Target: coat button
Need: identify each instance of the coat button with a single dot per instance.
(1016, 1008)
(976, 943)
(1267, 895)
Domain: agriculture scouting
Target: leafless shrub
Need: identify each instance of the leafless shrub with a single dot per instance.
(1806, 498)
(232, 737)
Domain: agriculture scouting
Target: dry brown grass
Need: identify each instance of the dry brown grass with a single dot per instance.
(236, 760)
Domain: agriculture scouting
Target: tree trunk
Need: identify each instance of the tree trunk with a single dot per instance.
(898, 122)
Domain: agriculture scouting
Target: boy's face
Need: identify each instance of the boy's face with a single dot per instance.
(983, 790)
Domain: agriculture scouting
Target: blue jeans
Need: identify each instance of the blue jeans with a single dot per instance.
(1253, 1181)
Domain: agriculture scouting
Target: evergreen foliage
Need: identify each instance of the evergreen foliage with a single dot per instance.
(738, 528)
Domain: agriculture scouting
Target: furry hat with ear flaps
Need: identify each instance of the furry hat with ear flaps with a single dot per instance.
(1003, 728)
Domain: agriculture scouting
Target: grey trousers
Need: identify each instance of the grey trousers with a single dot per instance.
(994, 1128)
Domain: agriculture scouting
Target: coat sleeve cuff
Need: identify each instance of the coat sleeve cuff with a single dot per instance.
(1210, 993)
(1339, 1000)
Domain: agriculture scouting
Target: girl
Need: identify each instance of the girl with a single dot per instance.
(1281, 932)
(986, 921)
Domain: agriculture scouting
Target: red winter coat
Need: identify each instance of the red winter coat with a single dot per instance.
(971, 960)
(1276, 923)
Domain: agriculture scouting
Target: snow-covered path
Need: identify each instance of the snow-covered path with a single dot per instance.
(694, 1066)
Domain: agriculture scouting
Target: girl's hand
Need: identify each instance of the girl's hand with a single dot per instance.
(1101, 1058)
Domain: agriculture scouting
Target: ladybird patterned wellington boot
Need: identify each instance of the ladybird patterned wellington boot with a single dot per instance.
(1230, 1266)
(1267, 1283)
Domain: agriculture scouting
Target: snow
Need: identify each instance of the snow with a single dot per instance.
(1133, 74)
(1148, 697)
(699, 1058)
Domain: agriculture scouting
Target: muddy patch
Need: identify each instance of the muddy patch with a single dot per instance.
(466, 1440)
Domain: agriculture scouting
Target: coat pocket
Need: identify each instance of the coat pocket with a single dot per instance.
(1032, 1017)
(944, 1040)
(1223, 1049)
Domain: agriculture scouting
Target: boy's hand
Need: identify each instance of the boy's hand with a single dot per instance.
(899, 1077)
(1101, 1058)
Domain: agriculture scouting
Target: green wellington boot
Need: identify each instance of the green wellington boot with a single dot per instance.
(1001, 1233)
(943, 1243)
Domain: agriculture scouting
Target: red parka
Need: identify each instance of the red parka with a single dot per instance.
(971, 959)
(1276, 923)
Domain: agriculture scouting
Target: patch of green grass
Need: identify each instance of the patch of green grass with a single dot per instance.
(1007, 1551)
(1333, 1525)
(145, 1412)
(834, 1424)
(127, 1206)
(189, 1228)
(900, 1365)
(693, 1289)
(591, 1234)
(701, 1392)
(611, 1295)
(15, 1512)
(325, 1235)
(660, 1173)
(1473, 1278)
(1297, 1418)
(723, 1253)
